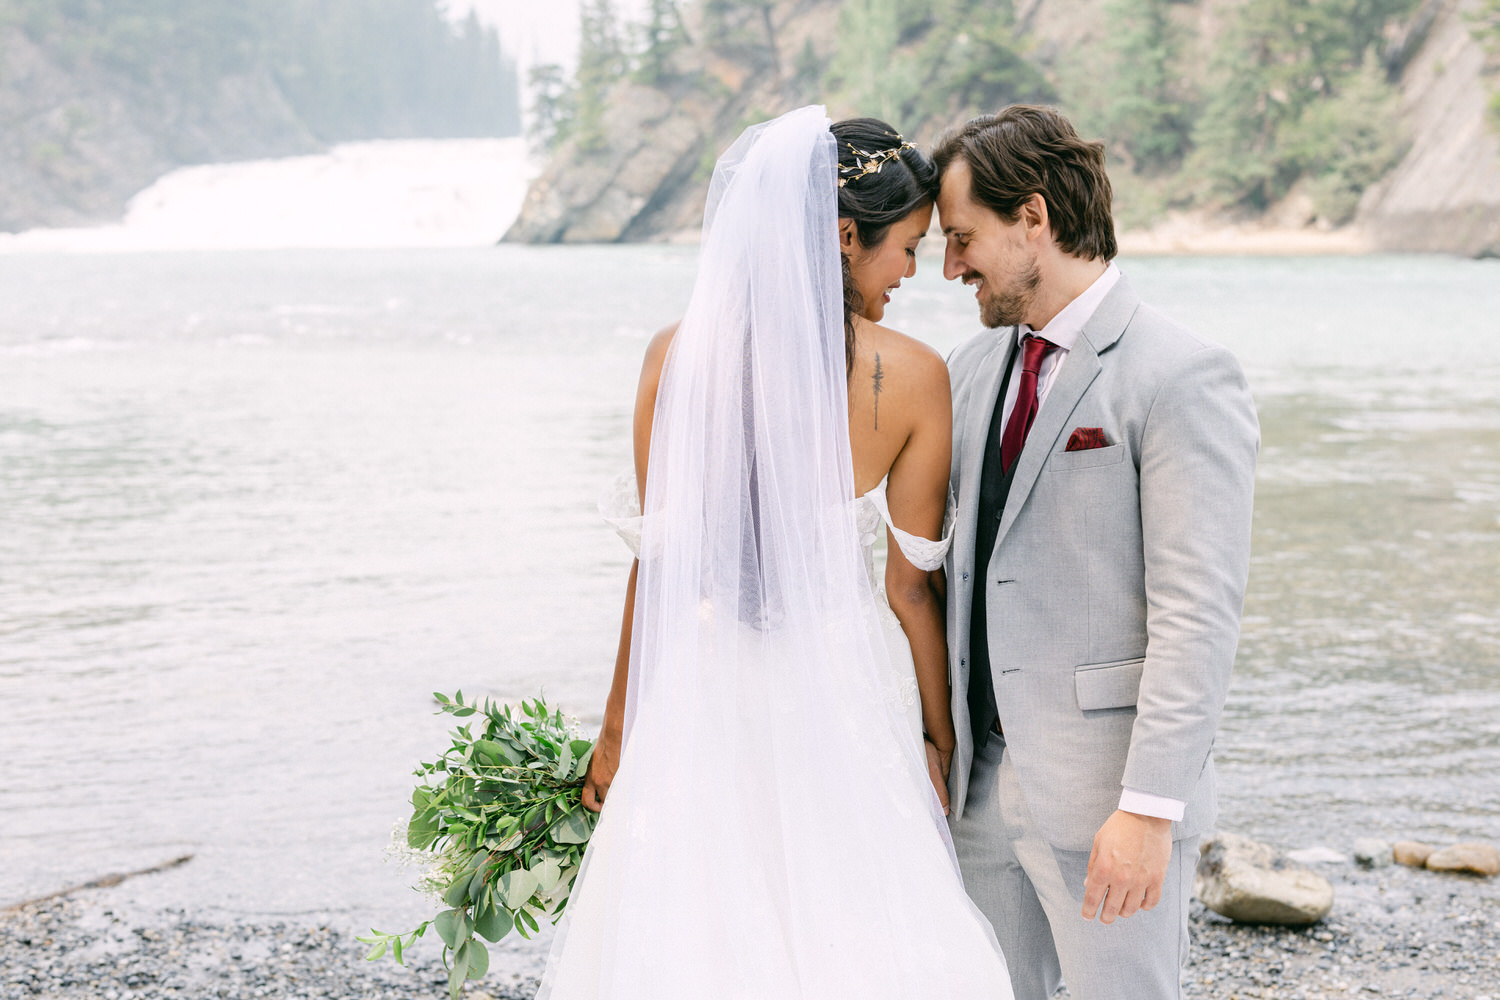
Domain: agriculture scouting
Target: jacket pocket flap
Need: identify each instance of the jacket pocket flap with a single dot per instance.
(1108, 685)
(1065, 461)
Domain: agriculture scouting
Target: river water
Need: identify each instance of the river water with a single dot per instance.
(256, 506)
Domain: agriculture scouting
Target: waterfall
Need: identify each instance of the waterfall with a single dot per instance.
(408, 193)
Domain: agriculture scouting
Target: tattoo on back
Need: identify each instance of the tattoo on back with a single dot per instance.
(875, 381)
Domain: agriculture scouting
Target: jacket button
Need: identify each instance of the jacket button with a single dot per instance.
(966, 576)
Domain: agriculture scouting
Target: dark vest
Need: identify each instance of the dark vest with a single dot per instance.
(994, 489)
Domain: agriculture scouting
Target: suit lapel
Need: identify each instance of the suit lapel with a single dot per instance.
(1078, 373)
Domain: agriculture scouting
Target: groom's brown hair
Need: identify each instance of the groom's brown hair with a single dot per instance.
(1030, 149)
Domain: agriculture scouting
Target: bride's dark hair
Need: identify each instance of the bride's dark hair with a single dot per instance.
(877, 199)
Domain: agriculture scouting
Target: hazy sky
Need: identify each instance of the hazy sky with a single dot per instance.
(536, 30)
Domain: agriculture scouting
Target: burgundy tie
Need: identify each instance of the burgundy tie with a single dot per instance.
(1024, 412)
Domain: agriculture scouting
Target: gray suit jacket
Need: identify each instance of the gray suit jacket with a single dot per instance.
(1117, 580)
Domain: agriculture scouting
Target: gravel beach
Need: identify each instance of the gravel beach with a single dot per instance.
(1394, 932)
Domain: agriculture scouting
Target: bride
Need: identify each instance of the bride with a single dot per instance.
(776, 740)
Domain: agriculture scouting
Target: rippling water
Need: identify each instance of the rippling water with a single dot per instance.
(256, 507)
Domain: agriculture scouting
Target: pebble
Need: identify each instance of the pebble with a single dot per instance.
(1372, 852)
(1412, 853)
(1404, 932)
(1477, 859)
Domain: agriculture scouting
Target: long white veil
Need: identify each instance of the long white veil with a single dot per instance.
(771, 832)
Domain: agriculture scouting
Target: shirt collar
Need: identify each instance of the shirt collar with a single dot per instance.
(1066, 327)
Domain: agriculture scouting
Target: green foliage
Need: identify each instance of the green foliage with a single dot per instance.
(1276, 65)
(349, 68)
(1485, 24)
(975, 62)
(1348, 142)
(601, 61)
(502, 815)
(552, 97)
(864, 69)
(931, 60)
(1141, 109)
(662, 36)
(740, 29)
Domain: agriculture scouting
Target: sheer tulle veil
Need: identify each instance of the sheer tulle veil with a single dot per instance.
(771, 831)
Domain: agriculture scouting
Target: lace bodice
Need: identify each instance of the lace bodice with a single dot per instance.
(620, 506)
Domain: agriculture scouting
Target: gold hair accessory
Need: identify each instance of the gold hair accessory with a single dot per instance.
(866, 163)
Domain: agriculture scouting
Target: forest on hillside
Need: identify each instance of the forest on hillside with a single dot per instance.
(1281, 94)
(349, 69)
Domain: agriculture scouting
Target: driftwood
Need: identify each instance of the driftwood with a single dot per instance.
(103, 882)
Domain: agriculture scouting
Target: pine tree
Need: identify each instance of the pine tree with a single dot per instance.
(601, 62)
(662, 36)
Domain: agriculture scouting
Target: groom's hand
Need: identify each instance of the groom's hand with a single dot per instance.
(1127, 866)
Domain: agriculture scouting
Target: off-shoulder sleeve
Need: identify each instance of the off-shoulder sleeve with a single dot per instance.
(923, 553)
(620, 506)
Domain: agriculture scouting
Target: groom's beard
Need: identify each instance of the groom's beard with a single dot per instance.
(1010, 305)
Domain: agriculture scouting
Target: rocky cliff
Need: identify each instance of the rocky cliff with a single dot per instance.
(648, 178)
(77, 140)
(1445, 193)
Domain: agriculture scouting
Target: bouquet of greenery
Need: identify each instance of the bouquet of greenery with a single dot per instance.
(501, 815)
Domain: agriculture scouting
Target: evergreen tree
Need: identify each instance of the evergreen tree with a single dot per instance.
(601, 62)
(350, 69)
(1279, 58)
(1142, 111)
(662, 36)
(551, 107)
(864, 67)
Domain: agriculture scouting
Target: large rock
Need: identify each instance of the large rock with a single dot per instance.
(1445, 193)
(1412, 853)
(1477, 859)
(1253, 883)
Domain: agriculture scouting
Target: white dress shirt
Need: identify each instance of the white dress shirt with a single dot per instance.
(1064, 329)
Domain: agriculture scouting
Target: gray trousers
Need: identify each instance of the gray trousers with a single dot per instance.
(1033, 895)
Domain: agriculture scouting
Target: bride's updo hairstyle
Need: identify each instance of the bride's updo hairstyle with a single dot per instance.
(882, 179)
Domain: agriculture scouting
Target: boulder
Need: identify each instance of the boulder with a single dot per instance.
(1412, 853)
(1253, 883)
(1477, 859)
(1372, 852)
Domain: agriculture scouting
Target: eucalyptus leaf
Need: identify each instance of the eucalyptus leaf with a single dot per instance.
(479, 958)
(493, 924)
(516, 887)
(458, 893)
(457, 973)
(571, 829)
(449, 923)
(548, 872)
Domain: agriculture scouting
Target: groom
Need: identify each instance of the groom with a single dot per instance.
(1103, 460)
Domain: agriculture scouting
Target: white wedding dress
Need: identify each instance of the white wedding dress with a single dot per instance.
(620, 506)
(771, 833)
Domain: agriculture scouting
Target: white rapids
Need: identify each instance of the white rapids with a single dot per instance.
(392, 193)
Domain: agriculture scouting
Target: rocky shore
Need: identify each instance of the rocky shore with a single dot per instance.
(1394, 932)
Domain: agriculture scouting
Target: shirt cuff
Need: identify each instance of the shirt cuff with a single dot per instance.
(1146, 804)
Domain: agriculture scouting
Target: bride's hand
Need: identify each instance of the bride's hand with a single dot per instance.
(938, 763)
(602, 767)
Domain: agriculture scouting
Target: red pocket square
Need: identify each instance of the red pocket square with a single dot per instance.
(1086, 439)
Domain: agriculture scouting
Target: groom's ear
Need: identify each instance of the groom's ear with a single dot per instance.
(1033, 212)
(848, 239)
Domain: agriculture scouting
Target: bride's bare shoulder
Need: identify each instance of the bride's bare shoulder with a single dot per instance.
(899, 358)
(656, 354)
